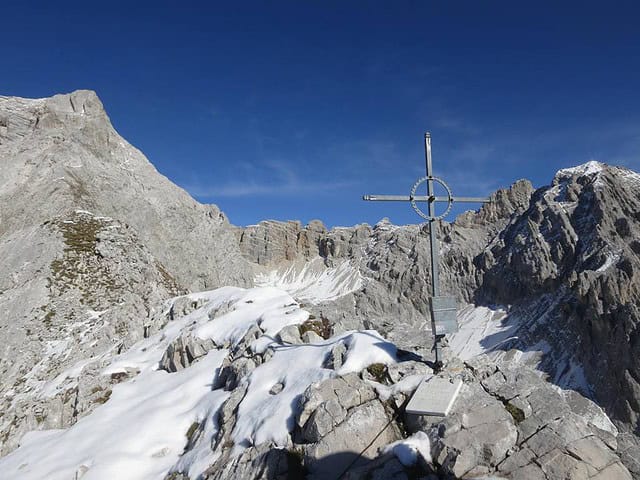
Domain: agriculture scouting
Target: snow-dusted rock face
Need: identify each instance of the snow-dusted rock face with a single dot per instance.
(380, 274)
(569, 267)
(560, 264)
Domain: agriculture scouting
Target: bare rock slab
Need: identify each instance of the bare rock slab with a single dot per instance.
(435, 396)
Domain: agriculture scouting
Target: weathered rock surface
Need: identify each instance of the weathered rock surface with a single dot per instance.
(564, 258)
(62, 154)
(510, 423)
(393, 261)
(92, 289)
(569, 265)
(259, 463)
(337, 421)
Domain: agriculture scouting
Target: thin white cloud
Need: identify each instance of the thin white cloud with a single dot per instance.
(271, 178)
(239, 189)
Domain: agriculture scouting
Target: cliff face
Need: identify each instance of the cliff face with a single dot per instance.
(572, 260)
(562, 262)
(392, 261)
(61, 154)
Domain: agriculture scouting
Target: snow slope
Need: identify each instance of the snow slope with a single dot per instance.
(141, 431)
(314, 282)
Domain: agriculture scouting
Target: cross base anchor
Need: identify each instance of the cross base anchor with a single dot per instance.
(438, 364)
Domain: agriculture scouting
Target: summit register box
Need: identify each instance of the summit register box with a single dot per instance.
(443, 315)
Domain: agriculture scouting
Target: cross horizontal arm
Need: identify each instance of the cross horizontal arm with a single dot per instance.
(422, 198)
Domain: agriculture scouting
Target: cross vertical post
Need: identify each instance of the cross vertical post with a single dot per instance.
(433, 240)
(432, 213)
(442, 308)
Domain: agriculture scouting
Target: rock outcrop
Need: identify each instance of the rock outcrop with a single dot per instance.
(510, 423)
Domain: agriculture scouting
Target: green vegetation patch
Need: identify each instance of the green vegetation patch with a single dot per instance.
(516, 413)
(80, 266)
(321, 326)
(378, 371)
(192, 430)
(169, 282)
(49, 313)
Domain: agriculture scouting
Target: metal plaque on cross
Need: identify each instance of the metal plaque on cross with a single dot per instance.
(443, 308)
(443, 315)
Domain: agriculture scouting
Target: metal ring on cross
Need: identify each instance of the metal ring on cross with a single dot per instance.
(412, 195)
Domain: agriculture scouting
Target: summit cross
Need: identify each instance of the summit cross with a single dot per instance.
(443, 308)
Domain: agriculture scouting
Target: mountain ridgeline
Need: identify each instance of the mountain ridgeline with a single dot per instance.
(94, 241)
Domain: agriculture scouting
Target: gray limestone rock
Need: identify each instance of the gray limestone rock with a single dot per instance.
(568, 266)
(182, 352)
(62, 154)
(311, 337)
(527, 430)
(290, 335)
(92, 240)
(338, 419)
(354, 434)
(258, 463)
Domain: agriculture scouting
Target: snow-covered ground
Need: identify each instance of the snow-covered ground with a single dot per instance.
(264, 417)
(481, 329)
(141, 430)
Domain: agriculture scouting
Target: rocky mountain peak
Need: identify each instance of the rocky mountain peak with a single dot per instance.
(61, 154)
(20, 118)
(80, 102)
(589, 169)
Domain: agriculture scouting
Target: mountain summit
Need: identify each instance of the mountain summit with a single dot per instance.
(61, 154)
(300, 355)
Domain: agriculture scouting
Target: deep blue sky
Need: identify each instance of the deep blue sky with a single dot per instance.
(293, 110)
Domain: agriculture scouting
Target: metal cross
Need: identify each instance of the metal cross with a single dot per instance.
(443, 309)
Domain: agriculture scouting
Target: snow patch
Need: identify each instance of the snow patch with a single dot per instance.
(313, 282)
(267, 417)
(481, 329)
(234, 311)
(407, 385)
(409, 449)
(269, 308)
(610, 260)
(586, 169)
(139, 433)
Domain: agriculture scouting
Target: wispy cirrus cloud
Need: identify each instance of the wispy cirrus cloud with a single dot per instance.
(272, 178)
(246, 189)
